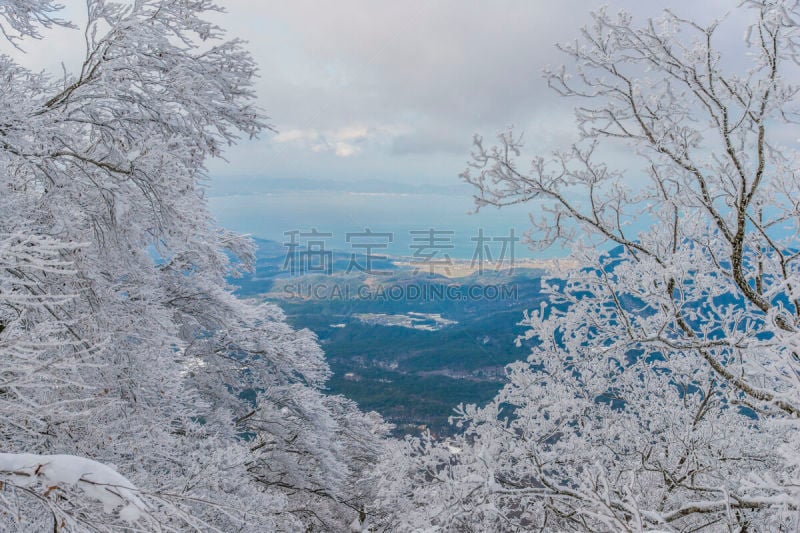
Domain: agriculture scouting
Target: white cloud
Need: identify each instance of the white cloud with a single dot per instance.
(295, 135)
(344, 149)
(350, 133)
(347, 141)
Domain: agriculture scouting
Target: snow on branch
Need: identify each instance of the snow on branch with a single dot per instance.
(96, 480)
(24, 17)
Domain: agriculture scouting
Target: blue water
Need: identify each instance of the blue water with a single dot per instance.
(272, 215)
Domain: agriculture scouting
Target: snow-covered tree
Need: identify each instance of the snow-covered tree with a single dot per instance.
(137, 391)
(663, 391)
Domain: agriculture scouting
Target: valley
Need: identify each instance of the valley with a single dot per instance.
(407, 343)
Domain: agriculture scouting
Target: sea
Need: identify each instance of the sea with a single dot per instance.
(392, 223)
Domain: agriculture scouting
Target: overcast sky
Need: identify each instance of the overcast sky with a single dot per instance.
(393, 91)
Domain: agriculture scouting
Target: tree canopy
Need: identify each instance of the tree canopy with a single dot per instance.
(137, 391)
(662, 393)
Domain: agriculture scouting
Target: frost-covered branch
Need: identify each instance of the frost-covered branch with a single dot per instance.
(120, 338)
(23, 18)
(662, 390)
